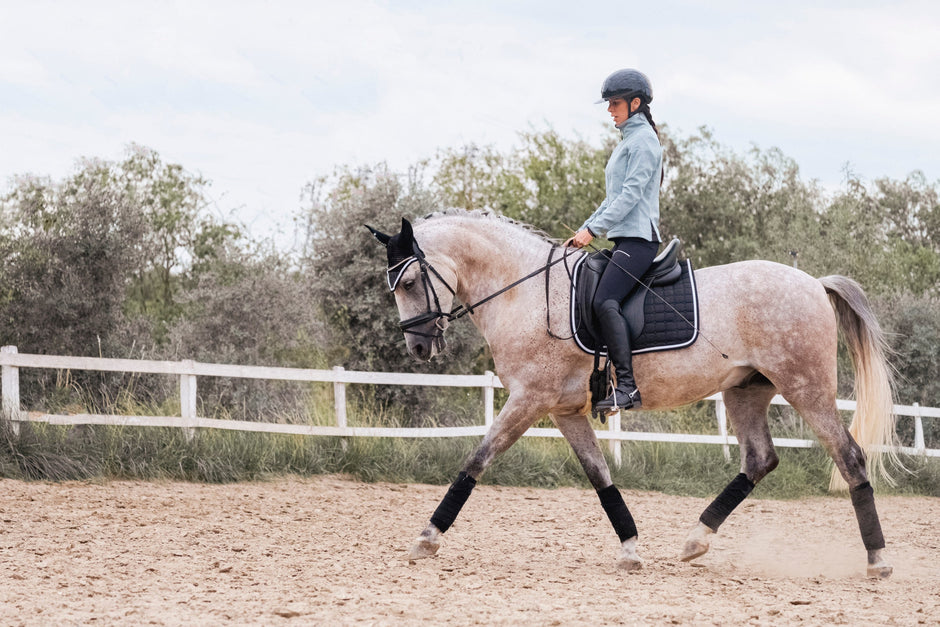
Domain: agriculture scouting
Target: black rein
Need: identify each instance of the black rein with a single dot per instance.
(462, 310)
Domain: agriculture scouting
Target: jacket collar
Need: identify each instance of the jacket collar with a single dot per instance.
(632, 123)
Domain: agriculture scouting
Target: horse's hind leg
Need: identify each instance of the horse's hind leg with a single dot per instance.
(512, 421)
(747, 411)
(849, 458)
(577, 430)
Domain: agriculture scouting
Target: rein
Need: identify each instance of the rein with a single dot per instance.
(436, 313)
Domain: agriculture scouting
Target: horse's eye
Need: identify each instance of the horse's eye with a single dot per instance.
(408, 284)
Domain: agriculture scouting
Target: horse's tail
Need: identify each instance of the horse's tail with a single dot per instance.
(873, 423)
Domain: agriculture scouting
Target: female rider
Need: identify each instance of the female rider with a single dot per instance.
(629, 217)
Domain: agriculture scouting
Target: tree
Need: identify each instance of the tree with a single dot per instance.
(473, 177)
(182, 238)
(880, 236)
(565, 180)
(548, 182)
(66, 251)
(727, 208)
(249, 307)
(94, 264)
(348, 267)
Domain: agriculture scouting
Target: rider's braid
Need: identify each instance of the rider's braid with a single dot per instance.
(645, 110)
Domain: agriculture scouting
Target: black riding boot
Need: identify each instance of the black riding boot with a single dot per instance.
(625, 395)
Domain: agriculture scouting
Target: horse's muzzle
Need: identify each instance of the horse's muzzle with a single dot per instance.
(425, 348)
(425, 342)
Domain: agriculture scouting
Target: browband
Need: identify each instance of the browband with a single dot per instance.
(393, 275)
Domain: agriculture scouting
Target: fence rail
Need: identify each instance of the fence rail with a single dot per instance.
(188, 372)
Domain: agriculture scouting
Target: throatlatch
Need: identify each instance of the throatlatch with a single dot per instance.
(724, 504)
(456, 496)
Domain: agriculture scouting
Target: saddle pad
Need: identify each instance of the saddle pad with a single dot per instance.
(661, 327)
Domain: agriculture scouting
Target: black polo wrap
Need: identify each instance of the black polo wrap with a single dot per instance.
(620, 517)
(863, 500)
(456, 496)
(724, 504)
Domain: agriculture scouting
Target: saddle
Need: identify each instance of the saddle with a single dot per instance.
(661, 313)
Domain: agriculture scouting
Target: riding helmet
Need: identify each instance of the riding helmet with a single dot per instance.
(627, 84)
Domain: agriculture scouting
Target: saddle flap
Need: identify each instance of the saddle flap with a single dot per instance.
(588, 275)
(664, 320)
(664, 270)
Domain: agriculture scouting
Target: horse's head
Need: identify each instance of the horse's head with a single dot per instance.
(422, 291)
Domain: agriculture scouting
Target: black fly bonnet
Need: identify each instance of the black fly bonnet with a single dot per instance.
(403, 250)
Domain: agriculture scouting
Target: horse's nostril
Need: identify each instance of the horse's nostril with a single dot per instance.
(419, 350)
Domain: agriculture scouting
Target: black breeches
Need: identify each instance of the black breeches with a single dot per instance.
(631, 256)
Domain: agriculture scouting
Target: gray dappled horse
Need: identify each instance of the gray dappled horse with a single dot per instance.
(777, 327)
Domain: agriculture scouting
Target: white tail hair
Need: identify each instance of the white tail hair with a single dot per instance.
(873, 425)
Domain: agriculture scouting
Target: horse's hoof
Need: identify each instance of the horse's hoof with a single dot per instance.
(629, 561)
(878, 566)
(693, 549)
(629, 564)
(427, 545)
(422, 549)
(697, 543)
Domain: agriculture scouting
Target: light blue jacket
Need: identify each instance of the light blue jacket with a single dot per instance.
(631, 208)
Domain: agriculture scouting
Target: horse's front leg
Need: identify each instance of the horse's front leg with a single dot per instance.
(516, 416)
(579, 433)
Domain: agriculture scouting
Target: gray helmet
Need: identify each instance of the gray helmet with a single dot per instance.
(627, 84)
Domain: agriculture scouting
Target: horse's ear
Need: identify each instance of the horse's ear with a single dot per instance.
(407, 234)
(382, 237)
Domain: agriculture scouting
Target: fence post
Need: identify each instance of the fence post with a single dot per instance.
(339, 397)
(616, 448)
(723, 427)
(339, 403)
(488, 399)
(188, 399)
(919, 445)
(11, 391)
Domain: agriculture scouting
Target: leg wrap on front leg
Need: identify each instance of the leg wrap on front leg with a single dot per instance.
(863, 500)
(730, 497)
(456, 496)
(617, 512)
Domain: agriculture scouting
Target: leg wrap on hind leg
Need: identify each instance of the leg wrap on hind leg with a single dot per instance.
(456, 496)
(863, 500)
(730, 497)
(620, 517)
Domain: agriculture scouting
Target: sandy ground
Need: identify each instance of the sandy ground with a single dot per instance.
(331, 551)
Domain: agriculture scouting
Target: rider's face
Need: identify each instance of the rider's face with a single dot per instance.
(619, 109)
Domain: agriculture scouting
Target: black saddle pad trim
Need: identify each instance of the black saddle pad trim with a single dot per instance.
(663, 327)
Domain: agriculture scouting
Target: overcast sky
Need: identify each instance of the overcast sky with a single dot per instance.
(261, 97)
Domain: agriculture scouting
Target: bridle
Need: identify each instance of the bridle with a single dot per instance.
(394, 275)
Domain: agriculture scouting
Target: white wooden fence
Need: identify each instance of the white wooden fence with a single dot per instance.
(188, 371)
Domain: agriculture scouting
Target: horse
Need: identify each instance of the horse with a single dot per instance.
(768, 329)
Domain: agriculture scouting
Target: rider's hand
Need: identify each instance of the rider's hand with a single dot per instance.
(581, 239)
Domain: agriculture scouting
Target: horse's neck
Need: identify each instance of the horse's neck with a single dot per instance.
(488, 256)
